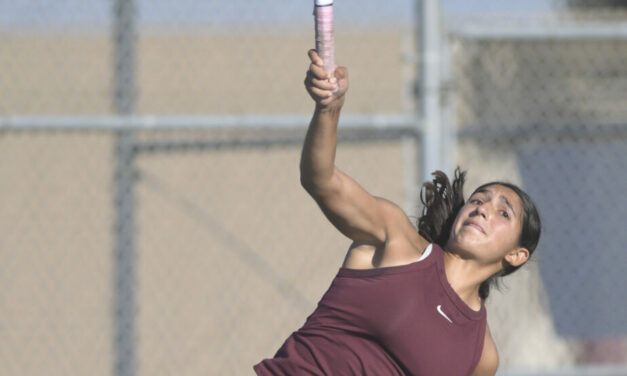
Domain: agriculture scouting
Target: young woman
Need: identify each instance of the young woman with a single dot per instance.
(405, 301)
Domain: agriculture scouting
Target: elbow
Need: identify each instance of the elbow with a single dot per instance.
(309, 180)
(305, 182)
(309, 184)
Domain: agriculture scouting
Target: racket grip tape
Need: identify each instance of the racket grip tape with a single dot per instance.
(325, 40)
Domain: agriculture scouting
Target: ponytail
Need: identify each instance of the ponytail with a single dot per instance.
(441, 202)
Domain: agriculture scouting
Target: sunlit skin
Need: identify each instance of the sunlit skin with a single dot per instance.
(484, 237)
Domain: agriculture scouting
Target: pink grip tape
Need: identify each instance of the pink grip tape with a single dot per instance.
(325, 42)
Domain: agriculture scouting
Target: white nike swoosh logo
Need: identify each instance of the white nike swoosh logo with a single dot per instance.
(439, 308)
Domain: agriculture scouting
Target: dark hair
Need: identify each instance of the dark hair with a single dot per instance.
(442, 201)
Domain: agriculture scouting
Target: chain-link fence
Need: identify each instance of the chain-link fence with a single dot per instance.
(543, 107)
(151, 212)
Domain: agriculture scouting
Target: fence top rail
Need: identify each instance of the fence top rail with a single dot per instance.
(539, 30)
(248, 121)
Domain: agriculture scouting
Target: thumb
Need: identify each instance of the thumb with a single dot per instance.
(341, 75)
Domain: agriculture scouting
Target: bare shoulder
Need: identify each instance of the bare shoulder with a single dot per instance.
(404, 244)
(392, 212)
(489, 361)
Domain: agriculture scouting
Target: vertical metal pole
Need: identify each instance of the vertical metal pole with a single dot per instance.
(410, 144)
(449, 118)
(430, 86)
(124, 252)
(411, 190)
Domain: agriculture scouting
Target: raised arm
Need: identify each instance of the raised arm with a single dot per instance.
(353, 211)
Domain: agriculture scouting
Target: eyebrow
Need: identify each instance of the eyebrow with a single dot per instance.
(490, 194)
(509, 204)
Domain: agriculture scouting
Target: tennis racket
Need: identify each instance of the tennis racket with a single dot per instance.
(325, 41)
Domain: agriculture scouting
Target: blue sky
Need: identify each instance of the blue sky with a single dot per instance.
(90, 13)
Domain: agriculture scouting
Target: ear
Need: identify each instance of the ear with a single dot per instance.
(517, 257)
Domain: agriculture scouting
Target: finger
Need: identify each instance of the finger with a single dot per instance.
(320, 94)
(308, 76)
(314, 57)
(319, 72)
(325, 84)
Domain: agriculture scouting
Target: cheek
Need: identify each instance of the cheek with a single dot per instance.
(456, 223)
(456, 227)
(507, 234)
(461, 215)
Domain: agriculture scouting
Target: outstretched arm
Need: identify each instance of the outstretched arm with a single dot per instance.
(353, 211)
(328, 91)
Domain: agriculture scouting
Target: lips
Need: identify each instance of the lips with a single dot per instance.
(474, 225)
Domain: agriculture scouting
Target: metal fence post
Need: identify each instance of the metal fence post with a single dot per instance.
(123, 98)
(430, 86)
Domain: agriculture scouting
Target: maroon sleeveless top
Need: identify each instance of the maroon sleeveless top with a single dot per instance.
(399, 320)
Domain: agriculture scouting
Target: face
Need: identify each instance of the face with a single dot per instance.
(488, 226)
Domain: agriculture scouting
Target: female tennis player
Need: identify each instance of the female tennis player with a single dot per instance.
(406, 301)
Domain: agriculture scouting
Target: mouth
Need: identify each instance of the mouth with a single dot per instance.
(474, 225)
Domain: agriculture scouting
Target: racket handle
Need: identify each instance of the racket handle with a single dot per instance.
(325, 41)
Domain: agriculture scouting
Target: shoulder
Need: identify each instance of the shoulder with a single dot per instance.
(403, 244)
(489, 361)
(397, 221)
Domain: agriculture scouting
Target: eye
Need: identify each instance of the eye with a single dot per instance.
(475, 201)
(505, 214)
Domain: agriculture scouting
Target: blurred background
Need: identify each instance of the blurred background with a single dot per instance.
(151, 216)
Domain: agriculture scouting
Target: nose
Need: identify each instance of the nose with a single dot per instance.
(480, 210)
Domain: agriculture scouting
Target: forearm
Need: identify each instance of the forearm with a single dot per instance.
(317, 164)
(318, 155)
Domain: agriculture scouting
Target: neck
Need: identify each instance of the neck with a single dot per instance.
(465, 276)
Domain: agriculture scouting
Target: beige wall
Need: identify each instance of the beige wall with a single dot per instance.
(193, 73)
(55, 251)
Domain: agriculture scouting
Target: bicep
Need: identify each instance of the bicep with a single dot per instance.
(353, 211)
